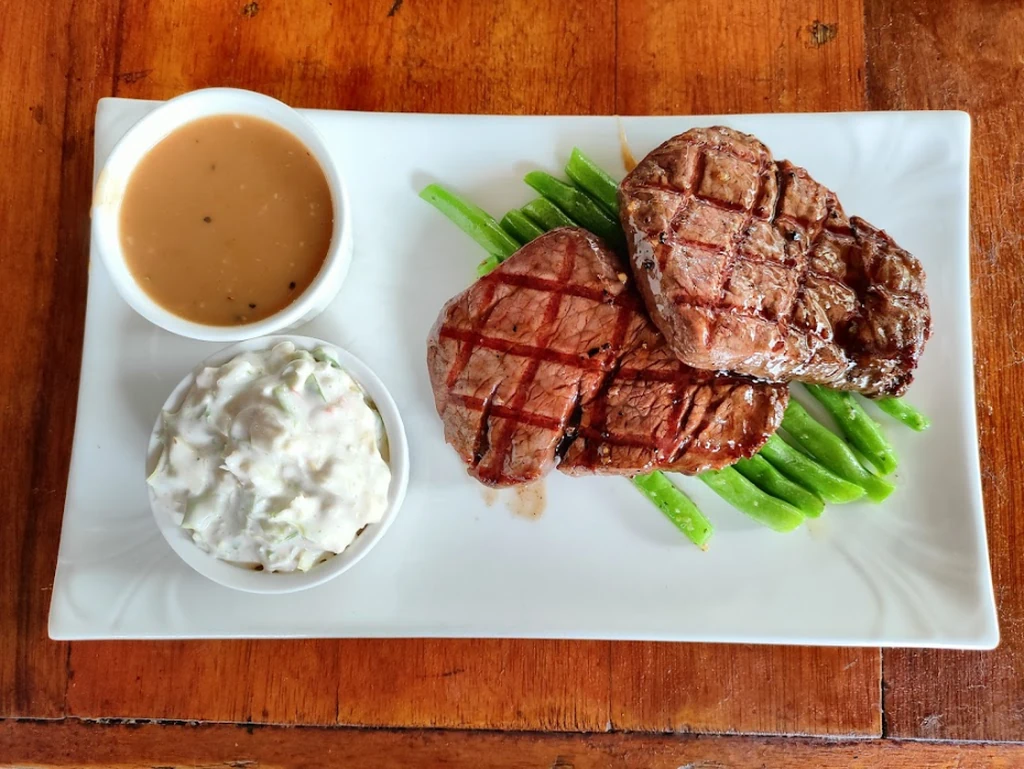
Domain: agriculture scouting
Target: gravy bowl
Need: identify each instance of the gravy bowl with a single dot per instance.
(141, 138)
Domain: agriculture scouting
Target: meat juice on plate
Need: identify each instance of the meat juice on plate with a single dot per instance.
(527, 500)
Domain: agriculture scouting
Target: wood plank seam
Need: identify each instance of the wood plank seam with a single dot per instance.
(72, 742)
(251, 726)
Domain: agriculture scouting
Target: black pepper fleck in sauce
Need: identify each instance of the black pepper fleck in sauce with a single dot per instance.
(207, 172)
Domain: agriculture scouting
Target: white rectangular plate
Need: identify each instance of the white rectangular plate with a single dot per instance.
(600, 562)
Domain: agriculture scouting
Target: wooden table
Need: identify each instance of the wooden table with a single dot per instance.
(502, 703)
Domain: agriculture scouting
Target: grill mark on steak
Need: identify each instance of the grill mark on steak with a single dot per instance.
(740, 236)
(760, 272)
(781, 184)
(584, 292)
(588, 384)
(522, 391)
(683, 301)
(600, 409)
(487, 407)
(466, 349)
(477, 339)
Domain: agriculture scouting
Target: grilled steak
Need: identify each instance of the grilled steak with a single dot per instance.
(550, 360)
(749, 265)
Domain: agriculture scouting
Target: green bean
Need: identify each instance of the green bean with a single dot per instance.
(899, 409)
(524, 229)
(579, 206)
(547, 215)
(829, 449)
(472, 220)
(763, 474)
(676, 506)
(749, 499)
(487, 265)
(520, 226)
(857, 426)
(593, 180)
(504, 224)
(801, 469)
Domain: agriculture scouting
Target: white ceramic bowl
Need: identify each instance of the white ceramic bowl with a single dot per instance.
(153, 128)
(251, 581)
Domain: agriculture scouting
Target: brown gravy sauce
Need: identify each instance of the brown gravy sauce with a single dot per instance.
(227, 220)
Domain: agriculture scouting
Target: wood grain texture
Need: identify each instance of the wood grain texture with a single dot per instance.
(530, 685)
(558, 686)
(751, 689)
(242, 681)
(43, 140)
(968, 55)
(74, 744)
(707, 57)
(781, 55)
(529, 56)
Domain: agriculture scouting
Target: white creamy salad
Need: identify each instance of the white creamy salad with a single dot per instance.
(273, 460)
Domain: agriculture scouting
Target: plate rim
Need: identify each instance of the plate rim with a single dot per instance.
(958, 121)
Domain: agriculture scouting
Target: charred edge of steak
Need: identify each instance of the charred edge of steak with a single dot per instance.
(571, 433)
(483, 437)
(794, 212)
